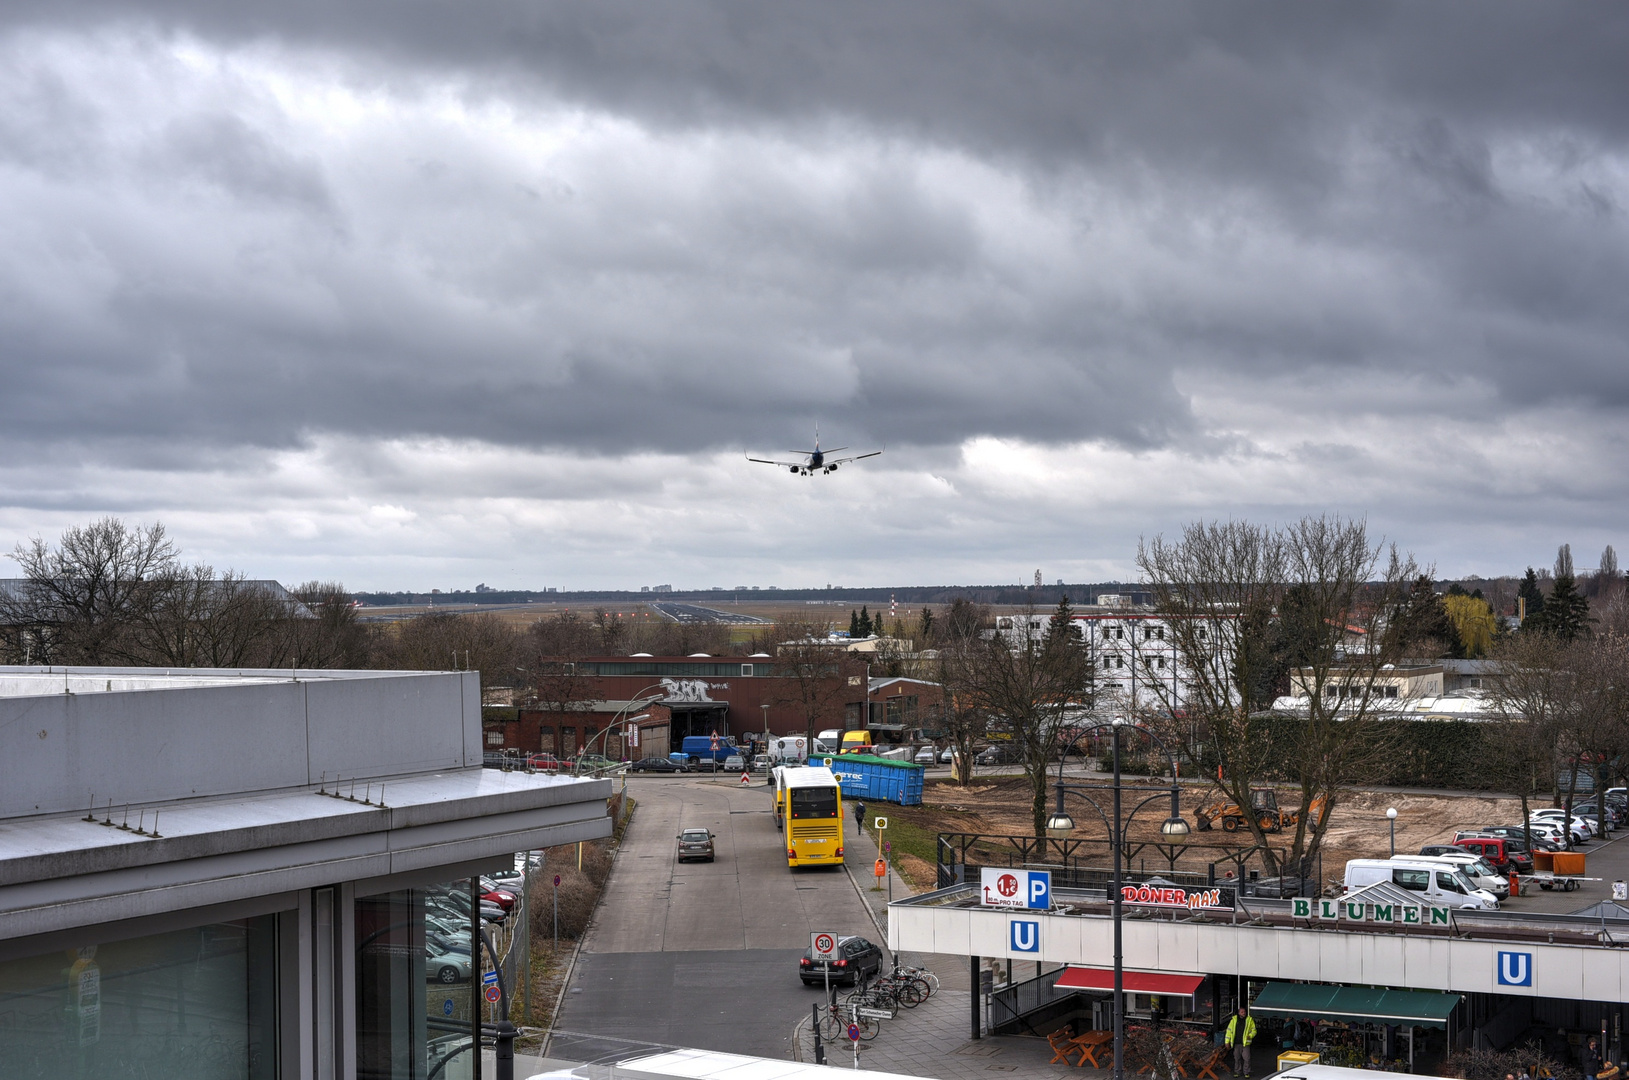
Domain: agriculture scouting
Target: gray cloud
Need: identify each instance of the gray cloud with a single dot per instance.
(248, 230)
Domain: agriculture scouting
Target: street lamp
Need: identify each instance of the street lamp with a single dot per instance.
(1175, 830)
(1391, 817)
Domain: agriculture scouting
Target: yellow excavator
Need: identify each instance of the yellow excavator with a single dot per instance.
(1263, 808)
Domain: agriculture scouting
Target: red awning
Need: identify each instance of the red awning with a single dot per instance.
(1136, 982)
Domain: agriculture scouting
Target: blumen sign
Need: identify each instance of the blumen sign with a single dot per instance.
(1302, 907)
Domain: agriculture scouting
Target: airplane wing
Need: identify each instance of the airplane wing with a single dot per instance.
(782, 464)
(856, 457)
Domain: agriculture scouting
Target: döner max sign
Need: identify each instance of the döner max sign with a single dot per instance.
(1354, 911)
(1206, 899)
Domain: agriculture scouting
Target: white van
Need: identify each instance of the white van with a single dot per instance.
(1482, 875)
(791, 750)
(1436, 882)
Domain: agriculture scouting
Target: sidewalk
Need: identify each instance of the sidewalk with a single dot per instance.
(933, 1039)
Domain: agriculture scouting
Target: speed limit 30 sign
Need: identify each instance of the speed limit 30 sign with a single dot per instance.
(823, 945)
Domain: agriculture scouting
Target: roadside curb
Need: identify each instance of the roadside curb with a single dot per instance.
(797, 1040)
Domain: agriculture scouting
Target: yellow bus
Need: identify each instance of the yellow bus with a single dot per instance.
(809, 813)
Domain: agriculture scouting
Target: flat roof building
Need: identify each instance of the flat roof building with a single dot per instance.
(258, 874)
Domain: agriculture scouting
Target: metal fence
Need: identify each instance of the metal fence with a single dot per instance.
(1010, 1005)
(1083, 864)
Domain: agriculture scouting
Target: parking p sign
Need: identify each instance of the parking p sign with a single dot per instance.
(1028, 889)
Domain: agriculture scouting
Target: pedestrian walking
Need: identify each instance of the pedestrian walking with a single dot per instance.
(1241, 1032)
(859, 813)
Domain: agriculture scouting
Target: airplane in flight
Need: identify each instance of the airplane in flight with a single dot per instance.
(816, 460)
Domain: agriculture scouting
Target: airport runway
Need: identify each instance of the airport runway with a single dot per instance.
(696, 614)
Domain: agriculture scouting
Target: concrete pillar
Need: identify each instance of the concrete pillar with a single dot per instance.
(973, 969)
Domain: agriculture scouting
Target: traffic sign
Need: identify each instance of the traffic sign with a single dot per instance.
(489, 978)
(557, 881)
(879, 823)
(823, 945)
(854, 1033)
(447, 1007)
(492, 994)
(874, 1014)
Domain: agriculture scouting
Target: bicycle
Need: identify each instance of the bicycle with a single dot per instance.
(927, 980)
(834, 1025)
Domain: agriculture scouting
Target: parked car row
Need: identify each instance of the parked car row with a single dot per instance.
(447, 922)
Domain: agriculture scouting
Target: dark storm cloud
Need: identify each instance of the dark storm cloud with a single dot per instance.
(1255, 191)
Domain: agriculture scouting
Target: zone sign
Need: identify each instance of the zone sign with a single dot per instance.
(823, 945)
(1029, 889)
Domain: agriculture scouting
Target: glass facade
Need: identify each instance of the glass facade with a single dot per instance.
(203, 1003)
(414, 991)
(199, 1003)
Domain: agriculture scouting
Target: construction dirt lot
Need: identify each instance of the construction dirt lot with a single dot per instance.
(1000, 805)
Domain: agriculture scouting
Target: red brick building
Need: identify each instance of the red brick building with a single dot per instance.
(640, 729)
(672, 697)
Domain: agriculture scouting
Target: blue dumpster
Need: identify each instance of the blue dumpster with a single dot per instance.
(862, 776)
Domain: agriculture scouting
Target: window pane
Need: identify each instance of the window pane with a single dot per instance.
(413, 986)
(205, 997)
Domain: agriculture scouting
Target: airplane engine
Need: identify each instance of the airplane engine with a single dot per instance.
(831, 468)
(795, 470)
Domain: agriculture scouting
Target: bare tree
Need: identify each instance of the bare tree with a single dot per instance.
(192, 617)
(821, 679)
(964, 715)
(1028, 683)
(1255, 612)
(80, 598)
(441, 642)
(322, 631)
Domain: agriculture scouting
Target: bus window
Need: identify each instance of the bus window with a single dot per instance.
(814, 802)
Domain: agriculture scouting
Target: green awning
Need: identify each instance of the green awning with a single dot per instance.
(1312, 1001)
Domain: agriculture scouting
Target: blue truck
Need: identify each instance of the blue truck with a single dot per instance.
(700, 747)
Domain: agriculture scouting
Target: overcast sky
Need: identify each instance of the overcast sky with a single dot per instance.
(425, 295)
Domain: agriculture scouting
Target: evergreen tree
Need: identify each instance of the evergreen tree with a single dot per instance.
(1566, 612)
(926, 624)
(1530, 592)
(864, 623)
(1061, 627)
(1423, 626)
(854, 624)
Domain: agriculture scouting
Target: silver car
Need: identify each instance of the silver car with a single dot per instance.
(695, 844)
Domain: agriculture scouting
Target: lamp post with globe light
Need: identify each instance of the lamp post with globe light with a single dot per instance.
(1391, 818)
(1173, 829)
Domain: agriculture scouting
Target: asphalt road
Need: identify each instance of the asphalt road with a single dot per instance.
(702, 954)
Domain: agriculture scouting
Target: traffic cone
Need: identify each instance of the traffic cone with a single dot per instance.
(746, 778)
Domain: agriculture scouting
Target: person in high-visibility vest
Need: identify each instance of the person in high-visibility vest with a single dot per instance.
(1241, 1032)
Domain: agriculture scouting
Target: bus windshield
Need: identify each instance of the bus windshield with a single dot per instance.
(814, 802)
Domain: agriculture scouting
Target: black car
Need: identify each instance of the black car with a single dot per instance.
(995, 755)
(1516, 832)
(657, 764)
(857, 959)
